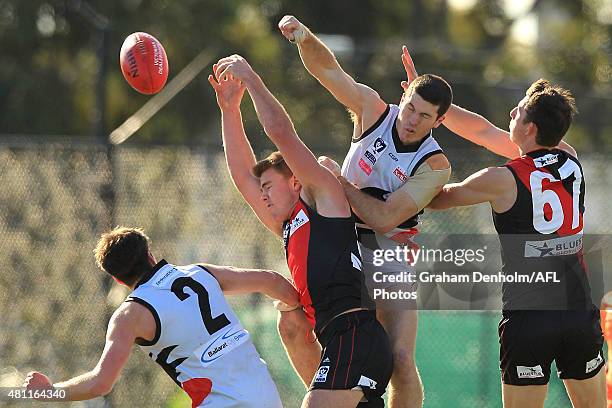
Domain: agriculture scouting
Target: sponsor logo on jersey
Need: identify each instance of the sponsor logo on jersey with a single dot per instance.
(326, 360)
(394, 157)
(529, 372)
(221, 345)
(161, 280)
(321, 375)
(594, 363)
(365, 167)
(569, 245)
(298, 222)
(367, 382)
(399, 173)
(546, 160)
(368, 155)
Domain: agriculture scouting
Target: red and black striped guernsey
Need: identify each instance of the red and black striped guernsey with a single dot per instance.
(325, 264)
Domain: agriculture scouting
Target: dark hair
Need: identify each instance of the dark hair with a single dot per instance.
(551, 109)
(124, 254)
(274, 161)
(435, 90)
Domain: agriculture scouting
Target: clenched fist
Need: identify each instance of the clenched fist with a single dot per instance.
(330, 164)
(292, 29)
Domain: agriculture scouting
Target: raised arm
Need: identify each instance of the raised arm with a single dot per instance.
(237, 280)
(322, 64)
(479, 130)
(279, 128)
(238, 152)
(472, 126)
(126, 324)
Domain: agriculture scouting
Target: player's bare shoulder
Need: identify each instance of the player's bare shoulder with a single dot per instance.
(500, 182)
(138, 317)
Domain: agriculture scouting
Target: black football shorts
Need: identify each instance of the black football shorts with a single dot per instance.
(356, 355)
(531, 339)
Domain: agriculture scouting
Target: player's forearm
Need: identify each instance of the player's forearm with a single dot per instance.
(315, 55)
(238, 152)
(370, 210)
(466, 124)
(277, 287)
(270, 112)
(477, 129)
(84, 387)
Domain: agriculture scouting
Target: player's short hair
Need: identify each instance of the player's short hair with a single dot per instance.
(124, 254)
(274, 161)
(435, 90)
(551, 108)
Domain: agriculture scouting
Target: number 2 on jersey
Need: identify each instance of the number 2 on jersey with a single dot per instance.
(212, 324)
(541, 197)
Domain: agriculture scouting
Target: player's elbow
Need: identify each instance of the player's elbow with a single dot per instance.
(384, 226)
(102, 388)
(279, 129)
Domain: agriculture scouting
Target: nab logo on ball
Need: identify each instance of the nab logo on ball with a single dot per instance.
(144, 63)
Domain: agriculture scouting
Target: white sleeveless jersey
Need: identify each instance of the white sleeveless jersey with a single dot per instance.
(379, 163)
(200, 342)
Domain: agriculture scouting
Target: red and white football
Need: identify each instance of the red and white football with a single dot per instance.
(144, 63)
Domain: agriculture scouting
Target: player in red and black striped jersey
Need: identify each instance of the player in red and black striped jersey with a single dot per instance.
(303, 202)
(538, 202)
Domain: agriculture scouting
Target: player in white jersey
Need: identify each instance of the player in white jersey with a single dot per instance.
(392, 171)
(179, 316)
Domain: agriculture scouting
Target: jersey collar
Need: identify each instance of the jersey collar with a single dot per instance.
(151, 273)
(402, 147)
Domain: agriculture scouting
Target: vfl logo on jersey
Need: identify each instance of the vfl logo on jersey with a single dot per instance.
(569, 245)
(546, 160)
(379, 145)
(529, 372)
(221, 345)
(374, 151)
(322, 374)
(399, 173)
(365, 167)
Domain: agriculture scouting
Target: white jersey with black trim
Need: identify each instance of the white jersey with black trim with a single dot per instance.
(200, 342)
(379, 163)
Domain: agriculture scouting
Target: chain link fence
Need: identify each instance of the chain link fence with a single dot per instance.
(58, 197)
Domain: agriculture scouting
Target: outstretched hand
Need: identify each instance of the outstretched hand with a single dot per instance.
(236, 66)
(229, 90)
(411, 72)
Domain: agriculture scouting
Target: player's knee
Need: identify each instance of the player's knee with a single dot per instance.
(289, 326)
(404, 366)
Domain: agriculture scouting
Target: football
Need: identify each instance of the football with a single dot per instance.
(144, 63)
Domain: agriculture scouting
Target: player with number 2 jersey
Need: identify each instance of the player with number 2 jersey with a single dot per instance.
(179, 316)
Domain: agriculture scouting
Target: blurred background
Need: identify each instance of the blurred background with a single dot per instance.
(63, 182)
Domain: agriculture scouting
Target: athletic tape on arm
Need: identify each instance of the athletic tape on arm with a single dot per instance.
(426, 184)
